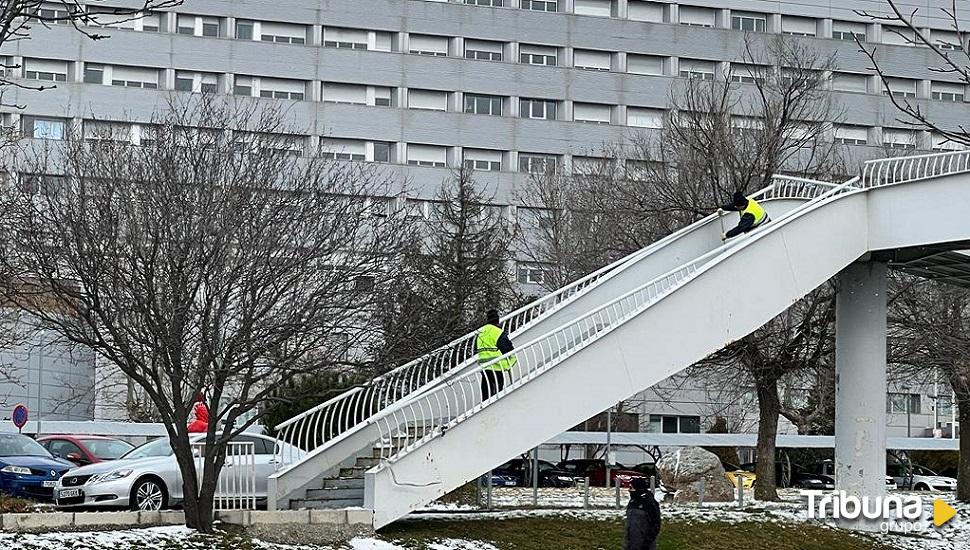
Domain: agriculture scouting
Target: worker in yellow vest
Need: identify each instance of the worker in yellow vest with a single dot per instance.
(752, 215)
(492, 342)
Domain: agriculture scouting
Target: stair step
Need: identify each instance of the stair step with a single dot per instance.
(333, 493)
(367, 462)
(298, 503)
(353, 472)
(343, 483)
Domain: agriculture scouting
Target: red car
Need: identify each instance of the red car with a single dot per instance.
(595, 469)
(85, 449)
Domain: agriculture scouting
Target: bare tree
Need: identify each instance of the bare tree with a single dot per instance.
(456, 267)
(211, 258)
(951, 59)
(929, 324)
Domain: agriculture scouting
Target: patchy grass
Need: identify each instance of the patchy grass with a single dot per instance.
(15, 505)
(544, 533)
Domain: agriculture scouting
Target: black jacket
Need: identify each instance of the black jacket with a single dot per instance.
(746, 224)
(504, 343)
(642, 522)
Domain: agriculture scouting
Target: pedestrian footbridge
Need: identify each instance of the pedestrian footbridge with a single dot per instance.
(406, 438)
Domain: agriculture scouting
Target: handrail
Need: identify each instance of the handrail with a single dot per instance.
(889, 171)
(343, 413)
(424, 415)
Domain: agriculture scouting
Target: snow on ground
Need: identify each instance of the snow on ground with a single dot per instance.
(517, 503)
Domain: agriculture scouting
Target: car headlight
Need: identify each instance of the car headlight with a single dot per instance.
(111, 476)
(23, 470)
(565, 478)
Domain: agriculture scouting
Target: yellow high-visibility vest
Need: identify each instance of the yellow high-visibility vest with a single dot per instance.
(486, 346)
(755, 210)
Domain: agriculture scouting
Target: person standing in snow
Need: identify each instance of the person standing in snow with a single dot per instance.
(642, 517)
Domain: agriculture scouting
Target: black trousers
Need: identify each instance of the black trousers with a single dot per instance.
(493, 381)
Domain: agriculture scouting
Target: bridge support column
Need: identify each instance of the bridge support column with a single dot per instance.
(860, 387)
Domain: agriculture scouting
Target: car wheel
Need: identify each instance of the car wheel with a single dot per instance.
(921, 487)
(148, 494)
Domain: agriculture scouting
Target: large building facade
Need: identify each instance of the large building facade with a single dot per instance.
(502, 86)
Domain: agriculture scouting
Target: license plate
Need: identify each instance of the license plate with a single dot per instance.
(510, 484)
(69, 493)
(49, 484)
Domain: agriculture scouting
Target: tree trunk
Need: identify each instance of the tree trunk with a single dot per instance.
(197, 508)
(963, 470)
(769, 407)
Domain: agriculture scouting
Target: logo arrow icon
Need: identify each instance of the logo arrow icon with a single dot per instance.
(942, 512)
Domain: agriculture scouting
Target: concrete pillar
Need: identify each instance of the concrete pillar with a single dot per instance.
(860, 387)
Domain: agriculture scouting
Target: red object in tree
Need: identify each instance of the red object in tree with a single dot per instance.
(201, 413)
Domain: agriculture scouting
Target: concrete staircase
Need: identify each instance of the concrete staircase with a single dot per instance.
(344, 490)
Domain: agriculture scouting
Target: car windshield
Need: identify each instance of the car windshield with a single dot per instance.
(923, 471)
(21, 445)
(159, 447)
(107, 449)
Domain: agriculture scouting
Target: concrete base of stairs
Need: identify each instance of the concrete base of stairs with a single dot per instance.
(340, 516)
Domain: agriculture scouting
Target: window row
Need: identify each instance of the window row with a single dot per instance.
(281, 88)
(442, 156)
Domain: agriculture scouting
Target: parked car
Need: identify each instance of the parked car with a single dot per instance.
(500, 480)
(26, 468)
(148, 477)
(920, 478)
(827, 468)
(595, 469)
(733, 472)
(801, 477)
(549, 475)
(85, 449)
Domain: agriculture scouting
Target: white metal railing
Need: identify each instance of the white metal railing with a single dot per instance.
(236, 485)
(347, 411)
(888, 171)
(410, 422)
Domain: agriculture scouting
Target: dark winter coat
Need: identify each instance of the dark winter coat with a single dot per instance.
(642, 522)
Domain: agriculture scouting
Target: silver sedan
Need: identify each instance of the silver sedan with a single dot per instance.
(148, 477)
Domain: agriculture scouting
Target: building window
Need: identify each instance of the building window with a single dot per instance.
(537, 163)
(382, 151)
(428, 99)
(901, 87)
(44, 69)
(848, 82)
(334, 92)
(134, 77)
(282, 33)
(703, 70)
(210, 26)
(749, 22)
(427, 155)
(538, 109)
(537, 59)
(674, 424)
(531, 274)
(482, 160)
(344, 38)
(596, 8)
(899, 139)
(244, 29)
(483, 104)
(43, 127)
(644, 64)
(693, 16)
(279, 88)
(483, 50)
(382, 96)
(644, 117)
(93, 74)
(243, 86)
(591, 112)
(846, 30)
(798, 26)
(540, 5)
(947, 91)
(592, 60)
(488, 3)
(903, 403)
(852, 135)
(424, 44)
(343, 149)
(184, 82)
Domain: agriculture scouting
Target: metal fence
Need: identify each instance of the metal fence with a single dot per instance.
(236, 485)
(888, 171)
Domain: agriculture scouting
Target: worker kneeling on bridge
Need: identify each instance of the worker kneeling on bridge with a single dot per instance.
(492, 343)
(752, 215)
